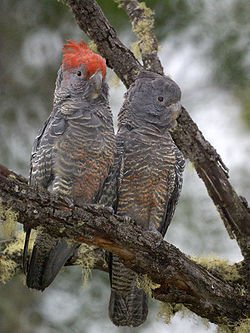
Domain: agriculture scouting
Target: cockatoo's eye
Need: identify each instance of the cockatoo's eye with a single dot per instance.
(160, 99)
(79, 73)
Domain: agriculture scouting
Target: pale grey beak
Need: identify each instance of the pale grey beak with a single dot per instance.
(176, 109)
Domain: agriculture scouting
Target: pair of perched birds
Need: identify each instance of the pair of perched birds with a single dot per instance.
(77, 156)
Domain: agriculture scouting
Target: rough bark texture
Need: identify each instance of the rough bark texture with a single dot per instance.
(181, 279)
(187, 136)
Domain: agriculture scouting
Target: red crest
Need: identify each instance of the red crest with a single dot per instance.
(78, 54)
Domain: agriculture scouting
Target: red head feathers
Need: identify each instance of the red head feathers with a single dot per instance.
(77, 54)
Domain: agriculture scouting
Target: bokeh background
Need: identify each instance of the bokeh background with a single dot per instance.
(205, 49)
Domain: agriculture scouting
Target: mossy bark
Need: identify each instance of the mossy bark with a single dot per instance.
(181, 280)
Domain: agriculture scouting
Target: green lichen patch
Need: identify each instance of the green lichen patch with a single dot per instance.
(143, 27)
(115, 81)
(243, 326)
(92, 46)
(242, 291)
(205, 322)
(7, 269)
(86, 259)
(135, 47)
(69, 242)
(9, 224)
(18, 243)
(218, 266)
(223, 329)
(185, 312)
(148, 12)
(146, 284)
(12, 176)
(142, 30)
(119, 2)
(165, 312)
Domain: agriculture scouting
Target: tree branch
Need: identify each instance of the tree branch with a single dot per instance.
(187, 136)
(181, 279)
(77, 259)
(142, 20)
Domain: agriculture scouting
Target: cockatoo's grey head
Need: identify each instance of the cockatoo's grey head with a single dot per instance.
(153, 100)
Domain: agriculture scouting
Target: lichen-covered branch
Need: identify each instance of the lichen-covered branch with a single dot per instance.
(142, 20)
(181, 279)
(187, 136)
(11, 252)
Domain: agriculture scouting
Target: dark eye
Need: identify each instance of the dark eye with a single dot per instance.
(79, 73)
(160, 99)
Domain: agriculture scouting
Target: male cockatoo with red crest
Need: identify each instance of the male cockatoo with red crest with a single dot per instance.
(72, 153)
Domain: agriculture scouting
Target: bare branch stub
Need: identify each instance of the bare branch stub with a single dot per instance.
(181, 279)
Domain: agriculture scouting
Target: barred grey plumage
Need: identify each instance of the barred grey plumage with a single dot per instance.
(146, 180)
(72, 153)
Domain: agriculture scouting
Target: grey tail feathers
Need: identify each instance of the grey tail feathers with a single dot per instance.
(25, 250)
(128, 305)
(48, 257)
